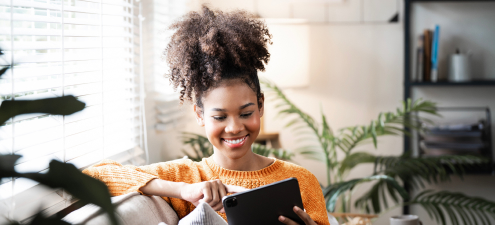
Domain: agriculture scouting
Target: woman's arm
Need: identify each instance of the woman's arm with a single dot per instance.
(210, 192)
(163, 188)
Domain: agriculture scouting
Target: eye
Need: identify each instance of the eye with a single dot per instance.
(246, 115)
(219, 118)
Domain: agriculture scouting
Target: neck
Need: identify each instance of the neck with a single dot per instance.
(249, 162)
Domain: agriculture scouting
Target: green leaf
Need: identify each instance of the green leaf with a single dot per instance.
(3, 70)
(56, 106)
(372, 197)
(333, 192)
(355, 159)
(81, 186)
(458, 207)
(424, 169)
(40, 219)
(7, 163)
(373, 133)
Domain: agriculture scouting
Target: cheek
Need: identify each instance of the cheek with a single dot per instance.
(253, 124)
(213, 130)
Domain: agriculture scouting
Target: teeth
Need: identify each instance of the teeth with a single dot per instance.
(235, 141)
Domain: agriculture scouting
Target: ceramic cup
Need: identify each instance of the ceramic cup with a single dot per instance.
(459, 68)
(405, 220)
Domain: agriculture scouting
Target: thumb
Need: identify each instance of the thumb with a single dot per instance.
(234, 189)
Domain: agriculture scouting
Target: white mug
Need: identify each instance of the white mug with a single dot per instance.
(405, 220)
(459, 68)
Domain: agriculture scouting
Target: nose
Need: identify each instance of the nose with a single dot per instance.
(234, 126)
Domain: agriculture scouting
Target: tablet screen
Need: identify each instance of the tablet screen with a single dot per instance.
(263, 205)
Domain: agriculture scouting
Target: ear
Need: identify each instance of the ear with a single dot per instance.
(199, 115)
(261, 105)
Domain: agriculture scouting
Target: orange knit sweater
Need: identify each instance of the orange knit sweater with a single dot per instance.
(124, 179)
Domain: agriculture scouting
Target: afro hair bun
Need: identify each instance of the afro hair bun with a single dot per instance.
(209, 44)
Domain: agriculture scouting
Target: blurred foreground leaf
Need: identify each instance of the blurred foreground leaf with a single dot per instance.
(81, 186)
(7, 163)
(42, 220)
(3, 70)
(67, 177)
(56, 106)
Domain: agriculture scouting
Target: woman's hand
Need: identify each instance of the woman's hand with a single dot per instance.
(210, 192)
(302, 214)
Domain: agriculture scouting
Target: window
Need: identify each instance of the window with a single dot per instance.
(159, 16)
(86, 48)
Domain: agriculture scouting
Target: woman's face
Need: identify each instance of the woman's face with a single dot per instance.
(231, 118)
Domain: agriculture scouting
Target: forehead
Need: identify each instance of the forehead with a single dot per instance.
(229, 94)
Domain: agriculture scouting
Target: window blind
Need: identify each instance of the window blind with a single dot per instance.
(86, 48)
(160, 14)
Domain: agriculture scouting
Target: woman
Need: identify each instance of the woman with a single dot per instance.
(215, 56)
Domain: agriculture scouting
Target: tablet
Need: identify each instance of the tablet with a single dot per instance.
(263, 205)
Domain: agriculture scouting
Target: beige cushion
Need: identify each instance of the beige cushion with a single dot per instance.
(131, 209)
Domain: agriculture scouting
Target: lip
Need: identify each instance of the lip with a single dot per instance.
(235, 145)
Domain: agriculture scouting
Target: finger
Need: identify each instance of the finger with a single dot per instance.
(286, 220)
(221, 193)
(304, 216)
(215, 195)
(207, 197)
(222, 190)
(222, 210)
(218, 206)
(235, 189)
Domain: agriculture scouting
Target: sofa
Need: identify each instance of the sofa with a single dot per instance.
(130, 209)
(136, 209)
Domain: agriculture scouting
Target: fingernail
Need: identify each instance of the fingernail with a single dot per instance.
(296, 208)
(281, 218)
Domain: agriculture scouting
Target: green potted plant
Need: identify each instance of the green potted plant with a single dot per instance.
(389, 171)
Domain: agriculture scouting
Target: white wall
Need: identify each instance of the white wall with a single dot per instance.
(355, 71)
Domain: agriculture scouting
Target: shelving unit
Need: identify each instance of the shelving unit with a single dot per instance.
(411, 26)
(478, 86)
(409, 50)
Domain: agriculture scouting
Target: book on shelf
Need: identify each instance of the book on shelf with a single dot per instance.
(428, 37)
(418, 75)
(434, 54)
(427, 56)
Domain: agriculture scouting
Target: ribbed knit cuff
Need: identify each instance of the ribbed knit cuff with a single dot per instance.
(141, 182)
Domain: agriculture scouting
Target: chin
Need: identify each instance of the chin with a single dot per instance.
(235, 153)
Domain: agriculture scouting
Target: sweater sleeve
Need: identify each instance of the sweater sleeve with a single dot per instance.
(125, 179)
(313, 200)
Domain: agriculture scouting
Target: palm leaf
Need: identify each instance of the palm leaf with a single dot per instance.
(457, 207)
(419, 170)
(65, 105)
(336, 190)
(388, 123)
(355, 159)
(286, 107)
(200, 145)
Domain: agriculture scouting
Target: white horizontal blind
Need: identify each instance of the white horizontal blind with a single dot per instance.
(160, 14)
(85, 48)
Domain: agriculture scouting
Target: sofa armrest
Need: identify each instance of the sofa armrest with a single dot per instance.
(131, 208)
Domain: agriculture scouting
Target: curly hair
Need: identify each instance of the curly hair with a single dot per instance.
(213, 46)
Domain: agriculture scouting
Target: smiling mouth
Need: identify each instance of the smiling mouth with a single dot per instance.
(234, 143)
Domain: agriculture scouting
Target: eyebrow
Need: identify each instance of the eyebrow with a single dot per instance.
(224, 110)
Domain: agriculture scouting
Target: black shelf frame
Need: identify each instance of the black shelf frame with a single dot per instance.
(408, 85)
(447, 83)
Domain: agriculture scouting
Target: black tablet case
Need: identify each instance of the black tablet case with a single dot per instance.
(263, 205)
